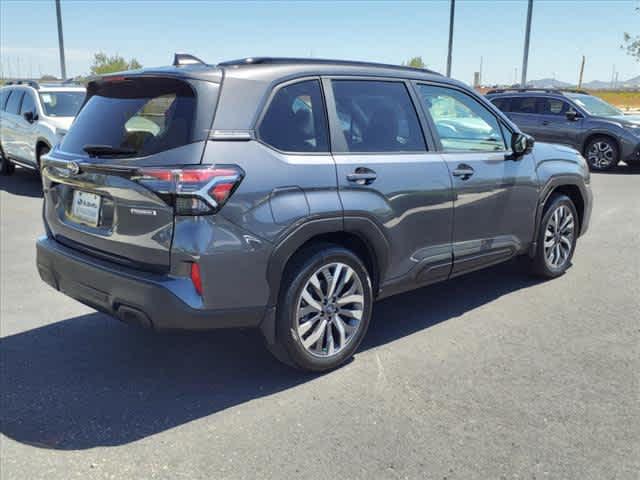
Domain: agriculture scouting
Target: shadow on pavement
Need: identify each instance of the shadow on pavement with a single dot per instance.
(90, 381)
(23, 182)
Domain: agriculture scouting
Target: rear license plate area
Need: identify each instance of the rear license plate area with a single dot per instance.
(85, 207)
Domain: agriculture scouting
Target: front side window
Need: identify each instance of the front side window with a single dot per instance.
(295, 120)
(61, 104)
(377, 116)
(13, 105)
(28, 105)
(553, 106)
(462, 123)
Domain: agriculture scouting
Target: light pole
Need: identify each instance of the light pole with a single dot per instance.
(63, 68)
(451, 15)
(527, 35)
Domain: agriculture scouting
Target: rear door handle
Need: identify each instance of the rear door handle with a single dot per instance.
(546, 122)
(463, 171)
(362, 176)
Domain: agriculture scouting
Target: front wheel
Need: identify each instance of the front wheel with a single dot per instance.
(557, 237)
(6, 167)
(324, 309)
(602, 154)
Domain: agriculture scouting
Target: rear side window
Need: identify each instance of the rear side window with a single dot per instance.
(144, 116)
(4, 96)
(13, 105)
(377, 116)
(462, 123)
(501, 103)
(524, 105)
(295, 120)
(28, 105)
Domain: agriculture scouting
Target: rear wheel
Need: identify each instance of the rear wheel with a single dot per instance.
(6, 167)
(602, 153)
(324, 309)
(556, 238)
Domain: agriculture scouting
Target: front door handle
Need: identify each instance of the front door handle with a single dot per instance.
(546, 122)
(362, 176)
(463, 171)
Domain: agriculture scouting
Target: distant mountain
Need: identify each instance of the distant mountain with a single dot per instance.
(548, 83)
(592, 85)
(596, 85)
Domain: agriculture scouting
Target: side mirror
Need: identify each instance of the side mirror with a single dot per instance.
(521, 143)
(29, 116)
(572, 115)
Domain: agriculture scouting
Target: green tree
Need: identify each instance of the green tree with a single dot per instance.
(632, 43)
(103, 64)
(415, 62)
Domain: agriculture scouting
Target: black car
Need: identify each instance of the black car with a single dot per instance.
(601, 132)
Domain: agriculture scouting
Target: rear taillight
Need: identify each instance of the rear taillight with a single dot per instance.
(193, 191)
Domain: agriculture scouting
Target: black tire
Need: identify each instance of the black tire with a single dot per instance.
(602, 153)
(289, 346)
(6, 167)
(42, 150)
(541, 263)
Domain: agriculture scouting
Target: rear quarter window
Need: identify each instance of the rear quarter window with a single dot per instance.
(4, 96)
(14, 102)
(295, 120)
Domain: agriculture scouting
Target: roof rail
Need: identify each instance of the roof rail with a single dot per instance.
(316, 61)
(30, 83)
(532, 89)
(181, 59)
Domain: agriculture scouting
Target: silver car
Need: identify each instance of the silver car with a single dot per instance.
(33, 119)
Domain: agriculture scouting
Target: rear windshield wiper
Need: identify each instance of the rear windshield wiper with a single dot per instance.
(98, 150)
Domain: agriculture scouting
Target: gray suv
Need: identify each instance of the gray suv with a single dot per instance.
(601, 132)
(290, 194)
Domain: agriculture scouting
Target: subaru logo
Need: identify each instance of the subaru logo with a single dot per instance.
(73, 168)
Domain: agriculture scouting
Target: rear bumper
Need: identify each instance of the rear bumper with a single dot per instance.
(154, 301)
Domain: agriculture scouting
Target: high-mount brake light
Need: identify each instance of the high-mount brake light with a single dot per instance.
(197, 190)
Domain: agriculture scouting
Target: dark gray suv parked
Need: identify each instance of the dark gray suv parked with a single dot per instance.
(290, 194)
(600, 131)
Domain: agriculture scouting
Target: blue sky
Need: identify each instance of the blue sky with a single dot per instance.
(384, 31)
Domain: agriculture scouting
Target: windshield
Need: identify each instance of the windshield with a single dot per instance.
(144, 116)
(595, 106)
(61, 104)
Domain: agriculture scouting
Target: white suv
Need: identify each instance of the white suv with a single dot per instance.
(33, 119)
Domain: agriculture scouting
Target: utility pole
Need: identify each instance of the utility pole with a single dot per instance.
(63, 68)
(581, 73)
(451, 17)
(527, 35)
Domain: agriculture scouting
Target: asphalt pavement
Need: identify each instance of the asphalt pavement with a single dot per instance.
(492, 375)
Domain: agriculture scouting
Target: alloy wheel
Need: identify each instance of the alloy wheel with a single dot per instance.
(558, 237)
(329, 310)
(601, 154)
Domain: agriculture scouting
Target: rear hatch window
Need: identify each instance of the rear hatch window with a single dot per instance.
(135, 117)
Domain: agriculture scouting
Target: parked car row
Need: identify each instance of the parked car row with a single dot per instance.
(289, 194)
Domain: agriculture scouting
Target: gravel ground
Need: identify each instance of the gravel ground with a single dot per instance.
(492, 375)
